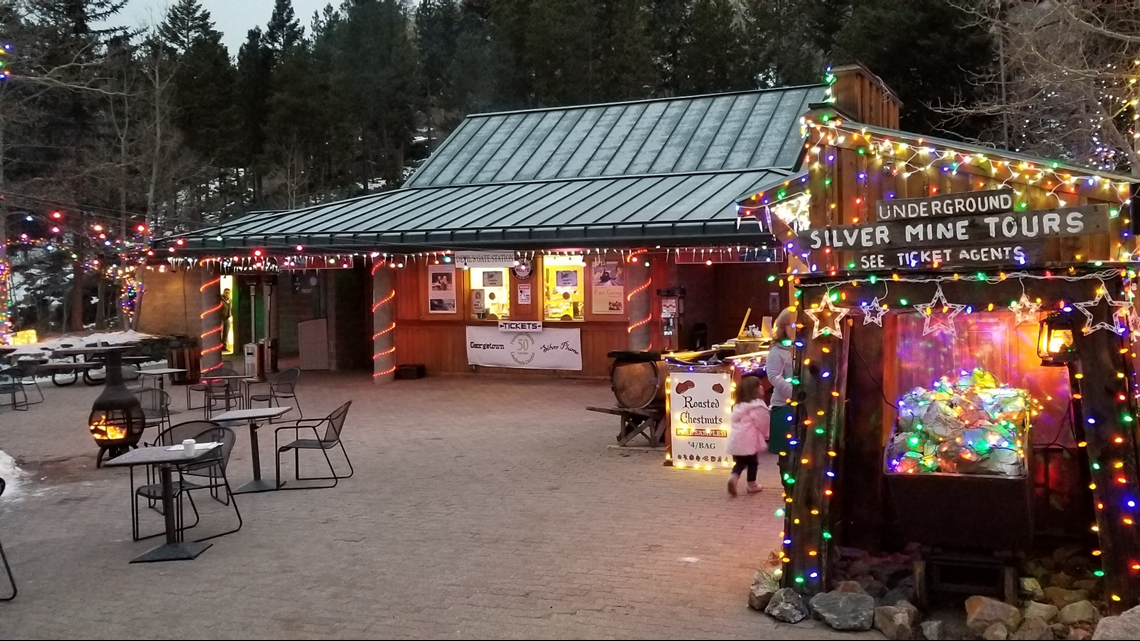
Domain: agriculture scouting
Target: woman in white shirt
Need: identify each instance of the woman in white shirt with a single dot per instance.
(779, 369)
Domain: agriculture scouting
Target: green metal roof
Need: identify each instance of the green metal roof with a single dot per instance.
(734, 131)
(584, 212)
(644, 172)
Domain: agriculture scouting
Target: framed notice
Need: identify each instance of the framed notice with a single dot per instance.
(524, 293)
(699, 409)
(478, 302)
(607, 287)
(493, 278)
(566, 278)
(441, 289)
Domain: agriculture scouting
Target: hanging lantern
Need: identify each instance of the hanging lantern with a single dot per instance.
(1055, 341)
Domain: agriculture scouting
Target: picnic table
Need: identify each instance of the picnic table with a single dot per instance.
(166, 459)
(94, 358)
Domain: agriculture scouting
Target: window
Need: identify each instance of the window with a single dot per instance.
(565, 287)
(490, 296)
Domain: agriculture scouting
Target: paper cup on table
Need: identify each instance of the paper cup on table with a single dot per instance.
(188, 447)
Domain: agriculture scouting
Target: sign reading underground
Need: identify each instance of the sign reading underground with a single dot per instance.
(968, 228)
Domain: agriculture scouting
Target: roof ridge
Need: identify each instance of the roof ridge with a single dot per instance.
(641, 101)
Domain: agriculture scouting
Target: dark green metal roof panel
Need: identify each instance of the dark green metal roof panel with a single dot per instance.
(563, 210)
(735, 131)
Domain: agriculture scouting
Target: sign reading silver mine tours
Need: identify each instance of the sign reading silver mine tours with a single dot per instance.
(983, 229)
(965, 203)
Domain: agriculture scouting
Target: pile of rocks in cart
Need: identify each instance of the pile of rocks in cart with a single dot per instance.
(1060, 599)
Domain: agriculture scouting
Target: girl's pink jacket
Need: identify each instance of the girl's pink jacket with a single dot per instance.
(749, 432)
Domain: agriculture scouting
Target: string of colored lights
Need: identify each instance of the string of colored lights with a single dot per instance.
(382, 344)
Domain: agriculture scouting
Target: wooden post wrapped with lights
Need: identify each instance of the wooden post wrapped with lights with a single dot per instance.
(820, 388)
(639, 297)
(1104, 383)
(383, 322)
(211, 336)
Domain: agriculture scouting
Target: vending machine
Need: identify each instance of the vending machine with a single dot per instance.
(672, 310)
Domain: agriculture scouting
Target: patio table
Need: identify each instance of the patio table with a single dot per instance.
(166, 458)
(160, 373)
(253, 415)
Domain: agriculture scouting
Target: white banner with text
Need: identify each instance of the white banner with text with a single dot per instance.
(545, 349)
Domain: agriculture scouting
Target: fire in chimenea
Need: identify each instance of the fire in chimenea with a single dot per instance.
(104, 430)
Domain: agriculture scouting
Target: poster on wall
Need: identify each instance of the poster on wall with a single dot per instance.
(699, 409)
(478, 302)
(441, 289)
(607, 285)
(544, 349)
(524, 293)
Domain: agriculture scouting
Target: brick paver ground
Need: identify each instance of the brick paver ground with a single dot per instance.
(481, 508)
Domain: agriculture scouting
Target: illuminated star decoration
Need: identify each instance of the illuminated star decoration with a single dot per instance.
(1091, 324)
(939, 314)
(826, 318)
(873, 312)
(1024, 310)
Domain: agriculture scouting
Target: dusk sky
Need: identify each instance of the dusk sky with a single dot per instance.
(232, 17)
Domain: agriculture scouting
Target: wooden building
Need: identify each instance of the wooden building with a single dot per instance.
(915, 258)
(585, 219)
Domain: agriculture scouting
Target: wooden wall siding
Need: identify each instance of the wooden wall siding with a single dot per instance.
(840, 197)
(442, 347)
(863, 97)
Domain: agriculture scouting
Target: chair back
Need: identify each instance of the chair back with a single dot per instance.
(336, 423)
(224, 387)
(202, 432)
(153, 400)
(285, 383)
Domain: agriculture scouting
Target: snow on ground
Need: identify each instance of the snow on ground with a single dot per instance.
(11, 474)
(79, 340)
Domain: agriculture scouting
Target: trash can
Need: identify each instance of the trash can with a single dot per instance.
(251, 358)
(187, 358)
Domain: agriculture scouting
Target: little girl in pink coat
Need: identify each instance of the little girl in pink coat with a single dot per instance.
(748, 434)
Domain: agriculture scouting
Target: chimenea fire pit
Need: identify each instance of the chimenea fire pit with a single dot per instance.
(117, 420)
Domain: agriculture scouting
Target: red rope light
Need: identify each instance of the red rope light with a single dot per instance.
(211, 368)
(637, 290)
(377, 265)
(384, 353)
(633, 326)
(208, 284)
(384, 331)
(215, 348)
(384, 301)
(385, 372)
(210, 311)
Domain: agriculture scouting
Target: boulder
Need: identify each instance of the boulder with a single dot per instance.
(850, 553)
(1044, 611)
(1034, 629)
(786, 605)
(858, 568)
(850, 586)
(996, 632)
(982, 612)
(764, 585)
(1062, 580)
(844, 610)
(1086, 584)
(1060, 630)
(1030, 588)
(897, 621)
(933, 630)
(873, 587)
(896, 595)
(1079, 634)
(1123, 626)
(1061, 597)
(1079, 612)
(890, 573)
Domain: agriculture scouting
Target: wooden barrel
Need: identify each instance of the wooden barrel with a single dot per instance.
(637, 381)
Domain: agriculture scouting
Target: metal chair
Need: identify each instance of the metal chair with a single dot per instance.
(225, 391)
(207, 474)
(330, 439)
(30, 368)
(155, 406)
(11, 384)
(283, 386)
(4, 558)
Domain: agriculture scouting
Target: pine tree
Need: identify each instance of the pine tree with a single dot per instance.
(186, 23)
(254, 70)
(624, 53)
(560, 52)
(284, 30)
